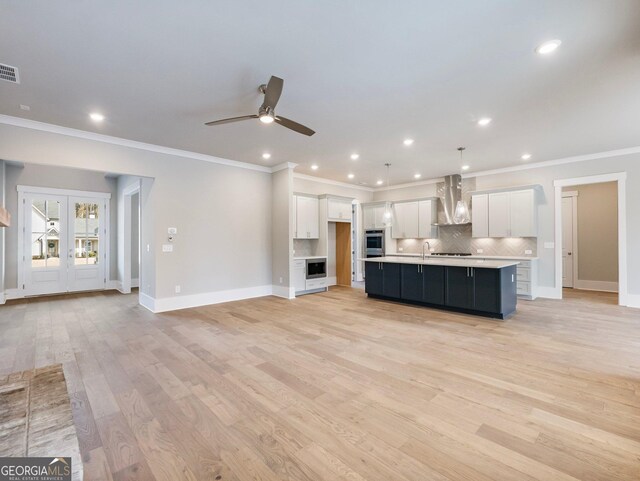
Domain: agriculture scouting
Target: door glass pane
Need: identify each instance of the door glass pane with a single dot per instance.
(45, 233)
(85, 240)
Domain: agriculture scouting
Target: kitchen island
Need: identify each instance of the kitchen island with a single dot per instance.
(473, 286)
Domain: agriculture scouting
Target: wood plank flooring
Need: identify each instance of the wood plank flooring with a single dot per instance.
(335, 386)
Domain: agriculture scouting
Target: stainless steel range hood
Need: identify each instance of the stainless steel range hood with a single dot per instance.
(454, 209)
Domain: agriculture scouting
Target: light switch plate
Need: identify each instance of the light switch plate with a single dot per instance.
(479, 251)
(167, 248)
(172, 230)
(400, 249)
(549, 245)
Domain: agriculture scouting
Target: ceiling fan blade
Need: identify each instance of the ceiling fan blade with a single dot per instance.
(272, 93)
(290, 124)
(232, 119)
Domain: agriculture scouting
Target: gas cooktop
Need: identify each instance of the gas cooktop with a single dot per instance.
(457, 254)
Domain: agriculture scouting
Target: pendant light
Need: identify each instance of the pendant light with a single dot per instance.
(461, 214)
(387, 217)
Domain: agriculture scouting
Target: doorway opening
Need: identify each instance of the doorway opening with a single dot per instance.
(590, 237)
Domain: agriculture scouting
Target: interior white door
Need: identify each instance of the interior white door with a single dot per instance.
(567, 241)
(86, 255)
(44, 244)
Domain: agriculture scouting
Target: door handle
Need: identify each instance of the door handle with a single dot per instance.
(471, 271)
(568, 253)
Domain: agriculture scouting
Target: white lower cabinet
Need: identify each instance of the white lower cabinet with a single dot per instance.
(312, 284)
(527, 279)
(299, 275)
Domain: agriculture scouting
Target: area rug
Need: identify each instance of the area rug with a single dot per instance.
(36, 418)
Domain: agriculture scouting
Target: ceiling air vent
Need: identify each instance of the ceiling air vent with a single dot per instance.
(9, 73)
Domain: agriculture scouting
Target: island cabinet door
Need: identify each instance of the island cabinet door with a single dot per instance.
(459, 287)
(486, 289)
(434, 284)
(391, 280)
(411, 282)
(373, 280)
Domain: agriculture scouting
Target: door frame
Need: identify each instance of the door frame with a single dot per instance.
(621, 179)
(574, 245)
(26, 189)
(131, 190)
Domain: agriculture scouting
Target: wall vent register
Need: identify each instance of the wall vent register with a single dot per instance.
(9, 73)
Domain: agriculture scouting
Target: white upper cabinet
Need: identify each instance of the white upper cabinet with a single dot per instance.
(405, 220)
(522, 206)
(373, 216)
(307, 222)
(428, 215)
(480, 214)
(339, 209)
(499, 218)
(505, 214)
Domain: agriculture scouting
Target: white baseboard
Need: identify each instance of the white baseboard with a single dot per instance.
(147, 301)
(596, 285)
(3, 298)
(633, 300)
(194, 300)
(283, 291)
(549, 292)
(13, 294)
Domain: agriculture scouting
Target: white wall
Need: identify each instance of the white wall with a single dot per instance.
(222, 212)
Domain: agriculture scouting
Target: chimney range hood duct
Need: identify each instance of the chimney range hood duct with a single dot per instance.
(454, 209)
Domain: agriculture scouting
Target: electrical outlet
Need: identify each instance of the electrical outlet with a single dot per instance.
(549, 245)
(177, 289)
(281, 280)
(148, 248)
(400, 249)
(479, 251)
(528, 251)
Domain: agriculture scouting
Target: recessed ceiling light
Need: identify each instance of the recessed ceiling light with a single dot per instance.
(417, 176)
(314, 167)
(484, 121)
(465, 167)
(548, 47)
(25, 107)
(380, 182)
(266, 156)
(96, 117)
(407, 141)
(351, 176)
(525, 156)
(355, 156)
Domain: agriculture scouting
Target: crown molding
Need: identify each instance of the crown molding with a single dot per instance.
(322, 180)
(556, 162)
(134, 144)
(283, 166)
(410, 184)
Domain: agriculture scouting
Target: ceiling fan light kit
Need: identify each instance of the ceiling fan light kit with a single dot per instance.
(266, 112)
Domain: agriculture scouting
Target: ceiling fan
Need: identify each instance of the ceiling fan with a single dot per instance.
(267, 113)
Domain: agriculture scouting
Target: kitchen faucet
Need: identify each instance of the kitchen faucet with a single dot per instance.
(426, 243)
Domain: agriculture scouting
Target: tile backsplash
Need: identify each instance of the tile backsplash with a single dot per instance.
(457, 238)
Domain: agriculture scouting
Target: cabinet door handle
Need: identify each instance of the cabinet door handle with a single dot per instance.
(471, 271)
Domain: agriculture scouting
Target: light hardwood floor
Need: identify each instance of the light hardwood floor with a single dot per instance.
(335, 386)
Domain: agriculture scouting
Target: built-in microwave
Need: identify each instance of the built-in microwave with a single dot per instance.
(374, 243)
(316, 268)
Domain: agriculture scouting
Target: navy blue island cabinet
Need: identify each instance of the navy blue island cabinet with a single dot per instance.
(481, 291)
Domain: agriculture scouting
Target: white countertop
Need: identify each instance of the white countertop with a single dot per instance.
(446, 261)
(474, 256)
(308, 257)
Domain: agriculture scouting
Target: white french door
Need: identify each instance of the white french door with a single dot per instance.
(64, 245)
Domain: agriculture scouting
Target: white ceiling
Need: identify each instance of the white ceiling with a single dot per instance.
(365, 74)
